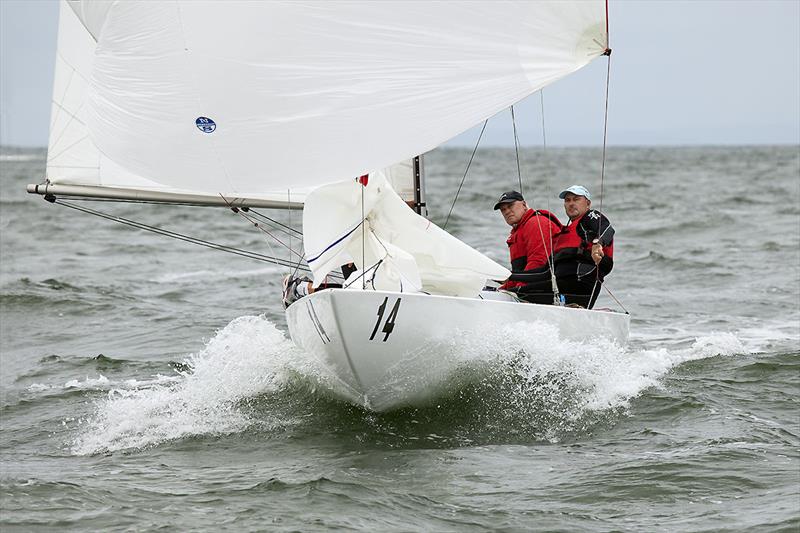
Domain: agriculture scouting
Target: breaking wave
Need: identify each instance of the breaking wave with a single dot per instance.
(243, 360)
(516, 384)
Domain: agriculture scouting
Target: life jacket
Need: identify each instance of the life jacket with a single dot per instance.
(527, 248)
(572, 244)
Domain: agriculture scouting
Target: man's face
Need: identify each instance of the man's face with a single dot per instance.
(513, 211)
(576, 206)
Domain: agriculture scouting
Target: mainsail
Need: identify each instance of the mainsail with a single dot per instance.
(267, 100)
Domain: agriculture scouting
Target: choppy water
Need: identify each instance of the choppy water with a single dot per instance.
(149, 383)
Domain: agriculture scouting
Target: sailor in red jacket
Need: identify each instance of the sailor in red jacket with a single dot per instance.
(530, 245)
(584, 250)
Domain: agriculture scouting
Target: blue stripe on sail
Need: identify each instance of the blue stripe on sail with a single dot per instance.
(334, 243)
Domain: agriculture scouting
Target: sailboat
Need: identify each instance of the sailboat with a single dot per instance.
(321, 106)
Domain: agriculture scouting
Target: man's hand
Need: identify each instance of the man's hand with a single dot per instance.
(597, 253)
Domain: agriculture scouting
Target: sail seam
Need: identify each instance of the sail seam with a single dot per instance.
(74, 70)
(70, 146)
(60, 107)
(73, 118)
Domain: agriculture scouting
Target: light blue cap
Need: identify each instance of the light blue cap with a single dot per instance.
(578, 190)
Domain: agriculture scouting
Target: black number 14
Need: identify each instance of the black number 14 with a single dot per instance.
(388, 327)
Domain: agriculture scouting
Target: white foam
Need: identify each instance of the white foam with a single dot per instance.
(771, 335)
(101, 382)
(608, 375)
(246, 358)
(752, 335)
(251, 357)
(89, 383)
(717, 344)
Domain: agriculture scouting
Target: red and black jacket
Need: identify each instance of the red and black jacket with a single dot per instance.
(572, 254)
(529, 246)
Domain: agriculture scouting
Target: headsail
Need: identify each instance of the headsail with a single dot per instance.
(395, 248)
(249, 99)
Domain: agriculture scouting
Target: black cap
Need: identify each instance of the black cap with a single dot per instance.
(507, 198)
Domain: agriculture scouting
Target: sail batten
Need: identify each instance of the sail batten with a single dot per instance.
(245, 97)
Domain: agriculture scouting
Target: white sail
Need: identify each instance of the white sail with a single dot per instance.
(75, 164)
(246, 98)
(395, 249)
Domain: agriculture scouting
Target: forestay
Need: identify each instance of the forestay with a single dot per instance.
(247, 99)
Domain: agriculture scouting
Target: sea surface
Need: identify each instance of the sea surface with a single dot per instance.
(149, 383)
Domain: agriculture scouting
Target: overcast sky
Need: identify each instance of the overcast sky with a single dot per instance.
(682, 72)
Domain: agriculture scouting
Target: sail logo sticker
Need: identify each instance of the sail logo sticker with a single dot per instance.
(205, 124)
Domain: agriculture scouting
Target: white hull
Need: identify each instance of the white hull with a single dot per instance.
(381, 349)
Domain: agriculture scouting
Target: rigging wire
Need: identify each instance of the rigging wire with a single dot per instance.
(615, 299)
(605, 128)
(279, 225)
(362, 276)
(546, 161)
(300, 254)
(179, 236)
(288, 204)
(607, 53)
(258, 226)
(550, 264)
(464, 177)
(516, 149)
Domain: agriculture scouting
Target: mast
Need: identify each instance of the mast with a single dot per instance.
(420, 206)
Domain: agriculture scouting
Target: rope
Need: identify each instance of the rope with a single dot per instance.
(288, 207)
(178, 236)
(258, 226)
(278, 225)
(464, 177)
(615, 299)
(364, 272)
(607, 53)
(545, 159)
(516, 149)
(302, 246)
(286, 229)
(605, 130)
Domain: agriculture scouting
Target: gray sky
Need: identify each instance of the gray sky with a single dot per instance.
(682, 72)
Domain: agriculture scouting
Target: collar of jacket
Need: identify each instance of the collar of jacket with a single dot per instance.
(528, 214)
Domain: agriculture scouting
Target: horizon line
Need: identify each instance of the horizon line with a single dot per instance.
(539, 146)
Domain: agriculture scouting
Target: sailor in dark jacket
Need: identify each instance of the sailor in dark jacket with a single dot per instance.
(583, 250)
